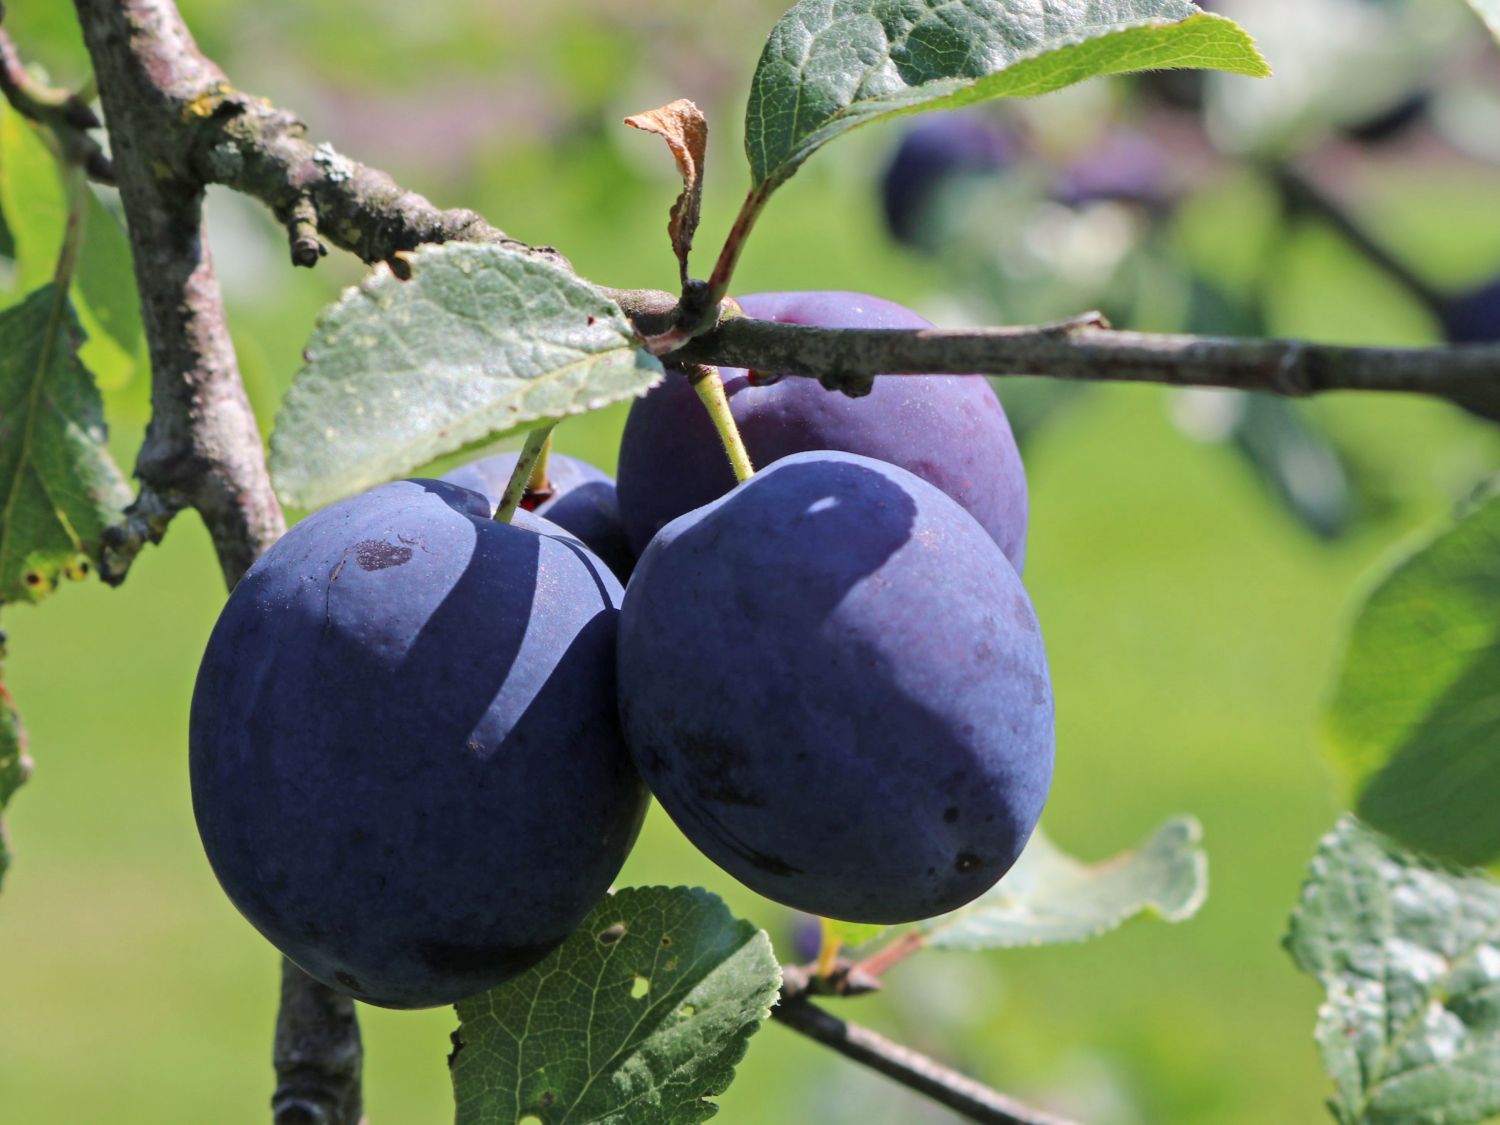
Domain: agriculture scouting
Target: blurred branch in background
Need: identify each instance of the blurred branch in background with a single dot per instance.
(63, 112)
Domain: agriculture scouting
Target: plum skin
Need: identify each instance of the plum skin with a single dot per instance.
(948, 429)
(835, 684)
(583, 502)
(406, 762)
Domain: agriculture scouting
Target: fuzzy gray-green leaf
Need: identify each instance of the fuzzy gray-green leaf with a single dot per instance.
(1049, 897)
(479, 342)
(1489, 12)
(1409, 954)
(830, 65)
(637, 1019)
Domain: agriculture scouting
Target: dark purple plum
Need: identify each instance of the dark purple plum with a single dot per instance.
(834, 682)
(583, 502)
(1474, 317)
(936, 148)
(948, 429)
(406, 760)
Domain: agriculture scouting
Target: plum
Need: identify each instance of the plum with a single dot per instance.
(834, 682)
(406, 761)
(938, 147)
(1474, 317)
(948, 429)
(582, 502)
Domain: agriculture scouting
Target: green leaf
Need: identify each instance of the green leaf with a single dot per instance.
(106, 277)
(1049, 897)
(640, 1016)
(33, 198)
(59, 489)
(1489, 12)
(1409, 953)
(830, 65)
(479, 342)
(851, 934)
(7, 240)
(1414, 724)
(14, 765)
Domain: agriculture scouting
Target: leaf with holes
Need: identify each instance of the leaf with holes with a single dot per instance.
(830, 65)
(479, 342)
(1489, 12)
(639, 1017)
(1414, 724)
(1409, 953)
(59, 489)
(14, 765)
(1050, 897)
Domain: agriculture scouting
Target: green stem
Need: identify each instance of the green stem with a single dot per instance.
(515, 488)
(538, 481)
(710, 390)
(828, 948)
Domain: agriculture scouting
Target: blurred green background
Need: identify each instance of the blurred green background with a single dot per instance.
(1192, 621)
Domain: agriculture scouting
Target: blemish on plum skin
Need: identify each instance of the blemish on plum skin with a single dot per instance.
(950, 814)
(966, 862)
(377, 554)
(349, 981)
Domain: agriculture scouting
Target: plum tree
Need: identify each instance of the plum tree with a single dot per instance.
(834, 682)
(406, 761)
(948, 429)
(582, 502)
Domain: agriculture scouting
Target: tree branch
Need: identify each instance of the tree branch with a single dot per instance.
(202, 446)
(910, 1068)
(1084, 349)
(61, 111)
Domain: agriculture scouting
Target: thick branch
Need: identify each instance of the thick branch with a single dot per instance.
(1469, 375)
(318, 1054)
(913, 1070)
(202, 447)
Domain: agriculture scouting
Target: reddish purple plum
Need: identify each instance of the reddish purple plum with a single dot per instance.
(950, 430)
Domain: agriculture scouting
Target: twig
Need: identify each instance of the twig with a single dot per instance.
(1468, 374)
(911, 1069)
(61, 111)
(1301, 194)
(202, 447)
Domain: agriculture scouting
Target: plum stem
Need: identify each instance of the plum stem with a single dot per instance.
(538, 482)
(828, 948)
(532, 453)
(710, 390)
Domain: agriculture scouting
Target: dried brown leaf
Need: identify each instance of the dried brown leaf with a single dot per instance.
(682, 125)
